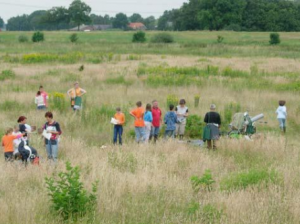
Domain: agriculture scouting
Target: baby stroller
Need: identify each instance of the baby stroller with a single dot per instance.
(28, 153)
(243, 124)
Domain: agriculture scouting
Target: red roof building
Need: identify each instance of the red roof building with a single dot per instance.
(137, 26)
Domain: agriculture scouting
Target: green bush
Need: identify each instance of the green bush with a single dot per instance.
(139, 37)
(68, 196)
(194, 126)
(7, 74)
(74, 38)
(162, 38)
(274, 39)
(23, 38)
(252, 177)
(220, 39)
(204, 182)
(38, 37)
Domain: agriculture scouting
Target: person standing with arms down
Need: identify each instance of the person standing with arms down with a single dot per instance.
(282, 115)
(212, 130)
(182, 112)
(40, 101)
(148, 122)
(139, 123)
(157, 119)
(170, 121)
(52, 128)
(75, 95)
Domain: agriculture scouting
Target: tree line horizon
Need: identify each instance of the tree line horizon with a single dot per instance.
(234, 15)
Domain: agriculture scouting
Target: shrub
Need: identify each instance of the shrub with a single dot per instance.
(68, 196)
(172, 99)
(205, 182)
(274, 38)
(162, 38)
(7, 74)
(220, 39)
(73, 38)
(23, 39)
(57, 101)
(194, 126)
(38, 37)
(242, 180)
(139, 37)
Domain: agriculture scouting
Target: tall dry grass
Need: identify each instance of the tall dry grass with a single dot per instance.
(151, 183)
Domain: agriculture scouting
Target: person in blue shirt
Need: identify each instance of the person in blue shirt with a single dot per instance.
(170, 121)
(148, 121)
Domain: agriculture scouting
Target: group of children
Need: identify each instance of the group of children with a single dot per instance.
(147, 122)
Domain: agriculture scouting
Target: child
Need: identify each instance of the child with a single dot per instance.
(139, 123)
(170, 121)
(8, 144)
(16, 141)
(281, 115)
(118, 128)
(40, 101)
(148, 122)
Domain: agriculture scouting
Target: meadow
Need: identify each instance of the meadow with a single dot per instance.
(252, 181)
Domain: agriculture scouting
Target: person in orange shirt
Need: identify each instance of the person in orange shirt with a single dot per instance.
(118, 128)
(139, 123)
(8, 143)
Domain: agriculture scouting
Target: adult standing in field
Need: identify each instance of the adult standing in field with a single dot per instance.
(44, 95)
(75, 95)
(282, 115)
(157, 119)
(139, 124)
(118, 128)
(182, 112)
(211, 132)
(148, 122)
(52, 132)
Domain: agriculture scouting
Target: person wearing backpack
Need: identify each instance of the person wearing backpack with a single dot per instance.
(52, 131)
(211, 131)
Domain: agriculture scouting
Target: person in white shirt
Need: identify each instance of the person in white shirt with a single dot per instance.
(282, 115)
(40, 101)
(16, 141)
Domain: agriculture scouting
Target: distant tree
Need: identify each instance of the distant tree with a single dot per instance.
(19, 23)
(1, 22)
(120, 21)
(168, 20)
(79, 12)
(95, 19)
(35, 20)
(108, 20)
(58, 17)
(150, 22)
(136, 18)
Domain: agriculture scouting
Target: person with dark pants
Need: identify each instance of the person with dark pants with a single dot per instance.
(118, 128)
(212, 130)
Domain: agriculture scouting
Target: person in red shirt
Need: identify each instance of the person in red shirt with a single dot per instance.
(8, 143)
(157, 119)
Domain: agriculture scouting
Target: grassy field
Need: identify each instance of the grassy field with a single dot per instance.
(255, 181)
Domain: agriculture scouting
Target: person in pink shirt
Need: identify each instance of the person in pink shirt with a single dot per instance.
(44, 95)
(157, 119)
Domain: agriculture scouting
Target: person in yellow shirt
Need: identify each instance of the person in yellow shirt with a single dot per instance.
(118, 128)
(75, 95)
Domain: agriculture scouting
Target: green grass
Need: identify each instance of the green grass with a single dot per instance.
(196, 43)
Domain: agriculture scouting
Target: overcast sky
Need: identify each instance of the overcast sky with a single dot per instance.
(10, 8)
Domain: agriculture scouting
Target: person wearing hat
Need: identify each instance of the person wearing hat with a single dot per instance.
(211, 131)
(75, 95)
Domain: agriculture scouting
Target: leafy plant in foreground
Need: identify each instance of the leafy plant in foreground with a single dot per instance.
(206, 181)
(68, 196)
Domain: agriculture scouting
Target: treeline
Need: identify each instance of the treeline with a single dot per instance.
(237, 15)
(78, 13)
